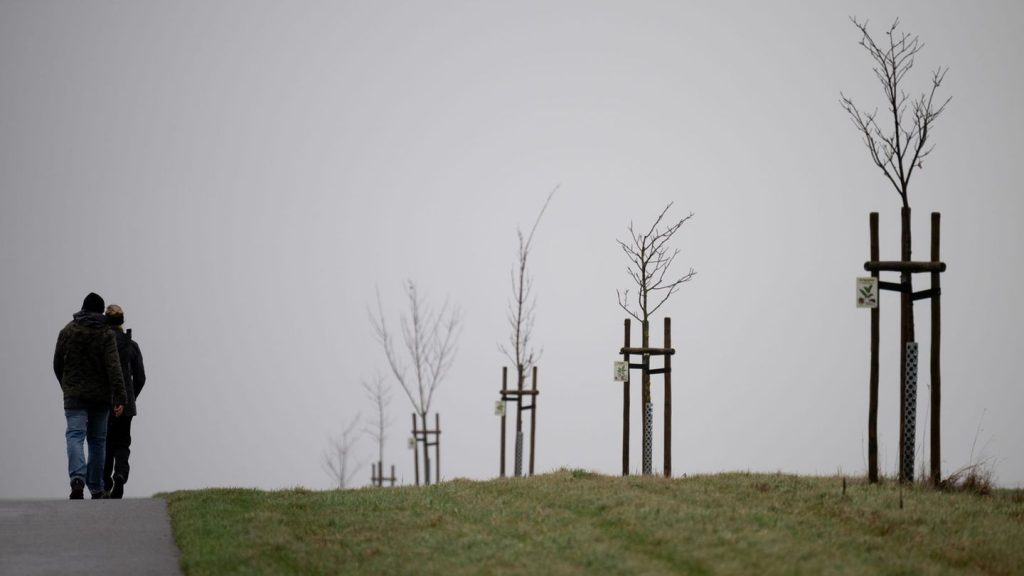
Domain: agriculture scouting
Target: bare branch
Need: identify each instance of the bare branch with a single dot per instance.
(651, 261)
(383, 337)
(623, 303)
(441, 348)
(338, 454)
(899, 151)
(429, 340)
(522, 304)
(380, 395)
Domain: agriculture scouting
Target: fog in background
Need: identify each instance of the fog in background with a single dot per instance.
(242, 176)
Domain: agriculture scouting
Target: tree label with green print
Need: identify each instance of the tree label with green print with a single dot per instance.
(867, 292)
(621, 371)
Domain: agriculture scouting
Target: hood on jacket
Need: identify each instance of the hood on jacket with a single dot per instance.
(91, 319)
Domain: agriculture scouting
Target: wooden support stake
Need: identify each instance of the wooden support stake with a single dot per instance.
(873, 385)
(668, 400)
(533, 420)
(936, 378)
(625, 404)
(437, 446)
(504, 387)
(646, 431)
(416, 450)
(426, 451)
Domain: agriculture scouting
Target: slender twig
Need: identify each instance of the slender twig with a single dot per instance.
(429, 339)
(380, 395)
(900, 151)
(522, 305)
(650, 260)
(339, 453)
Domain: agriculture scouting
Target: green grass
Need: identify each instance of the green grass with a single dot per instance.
(575, 522)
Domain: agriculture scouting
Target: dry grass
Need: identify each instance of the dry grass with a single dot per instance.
(974, 478)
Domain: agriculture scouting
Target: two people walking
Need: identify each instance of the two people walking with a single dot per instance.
(101, 373)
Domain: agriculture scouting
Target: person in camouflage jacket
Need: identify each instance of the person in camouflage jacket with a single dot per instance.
(88, 368)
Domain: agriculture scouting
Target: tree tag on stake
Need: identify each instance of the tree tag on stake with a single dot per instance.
(412, 443)
(621, 370)
(867, 292)
(499, 408)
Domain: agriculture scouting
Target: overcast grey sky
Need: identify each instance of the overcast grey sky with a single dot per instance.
(240, 176)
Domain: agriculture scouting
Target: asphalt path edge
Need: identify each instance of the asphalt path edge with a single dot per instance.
(110, 537)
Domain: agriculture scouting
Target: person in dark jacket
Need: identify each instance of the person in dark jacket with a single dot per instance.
(88, 368)
(119, 430)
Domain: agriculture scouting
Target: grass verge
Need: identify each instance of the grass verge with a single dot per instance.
(575, 522)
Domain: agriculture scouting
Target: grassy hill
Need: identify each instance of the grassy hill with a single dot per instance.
(575, 522)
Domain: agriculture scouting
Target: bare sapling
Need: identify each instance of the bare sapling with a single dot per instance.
(338, 457)
(650, 260)
(521, 315)
(898, 141)
(422, 361)
(380, 395)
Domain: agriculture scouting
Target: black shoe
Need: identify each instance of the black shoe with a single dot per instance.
(101, 495)
(77, 489)
(118, 490)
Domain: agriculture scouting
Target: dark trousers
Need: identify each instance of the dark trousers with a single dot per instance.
(119, 442)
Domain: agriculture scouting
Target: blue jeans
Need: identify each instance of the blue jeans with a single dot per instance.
(92, 424)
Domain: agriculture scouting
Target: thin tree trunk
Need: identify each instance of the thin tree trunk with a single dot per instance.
(906, 335)
(519, 423)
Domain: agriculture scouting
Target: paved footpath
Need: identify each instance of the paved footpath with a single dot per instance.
(110, 537)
